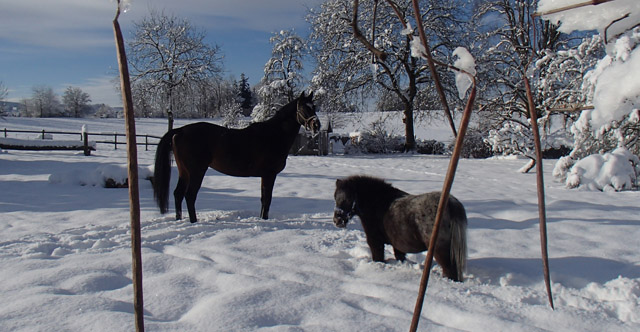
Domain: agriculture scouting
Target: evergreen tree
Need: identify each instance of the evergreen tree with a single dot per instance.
(245, 95)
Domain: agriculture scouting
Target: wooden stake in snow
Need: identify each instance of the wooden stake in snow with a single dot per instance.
(442, 205)
(132, 156)
(542, 214)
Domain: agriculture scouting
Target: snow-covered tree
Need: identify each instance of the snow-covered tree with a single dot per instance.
(347, 69)
(169, 56)
(105, 111)
(613, 92)
(43, 103)
(4, 91)
(517, 45)
(220, 94)
(559, 75)
(283, 79)
(75, 101)
(233, 114)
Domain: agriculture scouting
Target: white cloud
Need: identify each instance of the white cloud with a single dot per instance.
(102, 89)
(82, 23)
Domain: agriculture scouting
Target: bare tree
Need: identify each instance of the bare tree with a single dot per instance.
(75, 101)
(4, 91)
(43, 103)
(171, 56)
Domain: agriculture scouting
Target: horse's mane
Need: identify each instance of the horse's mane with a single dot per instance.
(373, 195)
(285, 110)
(367, 183)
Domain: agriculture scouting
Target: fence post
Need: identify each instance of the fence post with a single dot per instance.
(42, 133)
(115, 141)
(5, 132)
(87, 151)
(146, 142)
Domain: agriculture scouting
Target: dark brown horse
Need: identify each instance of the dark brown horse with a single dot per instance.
(392, 216)
(259, 150)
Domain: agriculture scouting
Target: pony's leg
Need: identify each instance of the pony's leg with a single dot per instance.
(399, 254)
(267, 191)
(377, 249)
(195, 183)
(178, 195)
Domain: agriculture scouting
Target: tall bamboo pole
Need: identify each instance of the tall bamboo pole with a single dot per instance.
(132, 157)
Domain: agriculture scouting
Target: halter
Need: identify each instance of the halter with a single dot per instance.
(305, 121)
(349, 214)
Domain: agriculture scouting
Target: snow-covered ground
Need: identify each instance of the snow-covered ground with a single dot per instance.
(66, 259)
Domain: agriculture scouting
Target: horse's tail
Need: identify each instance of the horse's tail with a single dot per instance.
(162, 171)
(458, 237)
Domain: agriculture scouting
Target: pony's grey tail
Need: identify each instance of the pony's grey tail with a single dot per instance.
(458, 237)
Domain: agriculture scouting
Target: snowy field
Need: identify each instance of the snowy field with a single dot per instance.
(66, 258)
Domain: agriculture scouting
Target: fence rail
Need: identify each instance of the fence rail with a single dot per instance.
(45, 134)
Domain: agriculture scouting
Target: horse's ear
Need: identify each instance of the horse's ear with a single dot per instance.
(302, 95)
(311, 96)
(339, 183)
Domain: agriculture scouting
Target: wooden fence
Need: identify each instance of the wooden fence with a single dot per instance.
(83, 142)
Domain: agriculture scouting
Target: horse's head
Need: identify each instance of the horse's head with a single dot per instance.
(306, 113)
(345, 204)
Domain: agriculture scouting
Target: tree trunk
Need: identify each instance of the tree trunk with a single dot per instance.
(170, 109)
(410, 139)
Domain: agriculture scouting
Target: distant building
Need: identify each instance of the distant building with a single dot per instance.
(8, 108)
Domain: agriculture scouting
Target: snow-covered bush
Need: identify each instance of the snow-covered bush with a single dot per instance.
(475, 145)
(233, 115)
(378, 140)
(613, 171)
(514, 138)
(430, 147)
(372, 142)
(625, 132)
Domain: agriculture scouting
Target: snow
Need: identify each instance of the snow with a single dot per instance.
(615, 93)
(66, 259)
(592, 17)
(612, 171)
(465, 62)
(43, 142)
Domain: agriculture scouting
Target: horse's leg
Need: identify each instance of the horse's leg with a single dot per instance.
(197, 175)
(399, 254)
(266, 193)
(178, 194)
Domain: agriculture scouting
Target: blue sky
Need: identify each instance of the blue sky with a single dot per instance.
(61, 43)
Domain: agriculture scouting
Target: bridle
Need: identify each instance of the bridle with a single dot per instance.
(340, 212)
(307, 122)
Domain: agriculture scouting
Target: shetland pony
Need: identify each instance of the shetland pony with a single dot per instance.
(392, 216)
